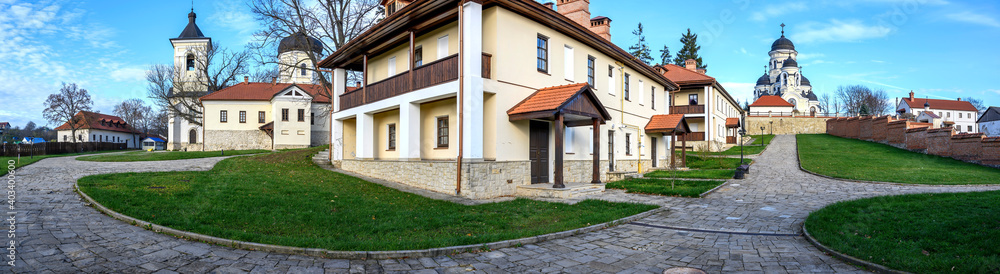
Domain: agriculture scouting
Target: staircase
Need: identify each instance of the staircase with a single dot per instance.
(321, 158)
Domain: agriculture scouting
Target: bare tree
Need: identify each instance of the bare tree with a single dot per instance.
(826, 103)
(64, 106)
(158, 122)
(177, 92)
(854, 97)
(980, 106)
(264, 75)
(133, 112)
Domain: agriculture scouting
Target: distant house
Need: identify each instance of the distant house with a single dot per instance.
(929, 117)
(32, 140)
(154, 143)
(954, 113)
(989, 122)
(4, 126)
(769, 105)
(96, 127)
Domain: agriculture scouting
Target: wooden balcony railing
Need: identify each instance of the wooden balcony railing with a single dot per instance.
(487, 64)
(730, 139)
(692, 136)
(430, 74)
(693, 109)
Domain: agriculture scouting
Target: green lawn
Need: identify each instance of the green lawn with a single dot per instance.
(665, 187)
(862, 160)
(694, 173)
(698, 162)
(922, 233)
(758, 145)
(27, 160)
(284, 199)
(165, 155)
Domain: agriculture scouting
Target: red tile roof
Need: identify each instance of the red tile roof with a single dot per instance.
(545, 99)
(918, 103)
(681, 75)
(667, 123)
(4, 124)
(93, 120)
(265, 91)
(732, 122)
(771, 101)
(931, 114)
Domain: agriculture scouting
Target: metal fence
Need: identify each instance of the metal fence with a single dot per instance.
(57, 148)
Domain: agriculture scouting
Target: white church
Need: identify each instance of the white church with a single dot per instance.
(784, 78)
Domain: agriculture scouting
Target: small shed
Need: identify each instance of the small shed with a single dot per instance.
(154, 143)
(32, 140)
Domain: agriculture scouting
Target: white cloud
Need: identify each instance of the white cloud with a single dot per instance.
(236, 16)
(777, 10)
(807, 56)
(974, 18)
(838, 31)
(878, 61)
(130, 74)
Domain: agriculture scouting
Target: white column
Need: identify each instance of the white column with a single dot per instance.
(337, 139)
(365, 140)
(472, 64)
(339, 85)
(709, 104)
(337, 127)
(408, 135)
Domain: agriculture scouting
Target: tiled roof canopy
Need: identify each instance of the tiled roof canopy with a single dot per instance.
(93, 120)
(667, 124)
(576, 101)
(771, 101)
(682, 76)
(732, 122)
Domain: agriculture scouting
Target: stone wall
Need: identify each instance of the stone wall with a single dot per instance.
(966, 146)
(939, 141)
(480, 179)
(865, 128)
(236, 140)
(786, 125)
(990, 155)
(916, 138)
(319, 138)
(896, 132)
(853, 127)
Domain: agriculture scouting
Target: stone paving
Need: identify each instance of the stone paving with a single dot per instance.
(751, 225)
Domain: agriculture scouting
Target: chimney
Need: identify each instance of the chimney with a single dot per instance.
(576, 10)
(357, 84)
(960, 99)
(550, 5)
(911, 96)
(691, 64)
(274, 80)
(601, 26)
(702, 71)
(246, 79)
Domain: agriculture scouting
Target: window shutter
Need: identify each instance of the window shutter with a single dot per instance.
(442, 47)
(568, 140)
(568, 61)
(392, 66)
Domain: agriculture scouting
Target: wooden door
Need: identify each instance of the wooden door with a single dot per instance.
(652, 148)
(538, 152)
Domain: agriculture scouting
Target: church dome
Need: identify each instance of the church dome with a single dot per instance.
(811, 96)
(790, 63)
(300, 41)
(191, 30)
(764, 80)
(782, 43)
(805, 81)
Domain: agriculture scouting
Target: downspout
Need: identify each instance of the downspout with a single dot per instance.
(621, 70)
(461, 94)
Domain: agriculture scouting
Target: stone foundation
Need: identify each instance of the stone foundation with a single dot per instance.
(480, 179)
(236, 140)
(184, 147)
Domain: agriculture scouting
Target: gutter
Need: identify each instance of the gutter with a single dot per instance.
(461, 95)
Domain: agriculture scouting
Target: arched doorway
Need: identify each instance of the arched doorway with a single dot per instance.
(193, 136)
(812, 111)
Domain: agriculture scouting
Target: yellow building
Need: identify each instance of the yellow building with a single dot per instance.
(516, 92)
(712, 114)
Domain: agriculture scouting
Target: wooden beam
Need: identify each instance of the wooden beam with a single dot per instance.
(673, 150)
(684, 148)
(364, 81)
(558, 173)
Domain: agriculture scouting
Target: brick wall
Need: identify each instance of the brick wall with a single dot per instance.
(966, 146)
(865, 128)
(990, 155)
(853, 128)
(879, 127)
(939, 141)
(896, 131)
(916, 138)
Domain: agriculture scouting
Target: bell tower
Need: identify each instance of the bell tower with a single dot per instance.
(190, 50)
(295, 66)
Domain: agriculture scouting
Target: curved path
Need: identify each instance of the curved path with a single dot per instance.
(749, 225)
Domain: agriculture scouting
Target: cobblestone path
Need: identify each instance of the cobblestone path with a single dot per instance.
(751, 225)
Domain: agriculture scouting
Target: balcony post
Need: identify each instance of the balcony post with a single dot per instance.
(364, 140)
(408, 139)
(364, 81)
(472, 82)
(410, 66)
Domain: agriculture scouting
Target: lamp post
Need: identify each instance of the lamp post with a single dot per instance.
(742, 132)
(762, 135)
(772, 127)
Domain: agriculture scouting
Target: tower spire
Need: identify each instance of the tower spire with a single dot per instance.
(782, 27)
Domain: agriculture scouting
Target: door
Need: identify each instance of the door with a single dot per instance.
(538, 152)
(652, 148)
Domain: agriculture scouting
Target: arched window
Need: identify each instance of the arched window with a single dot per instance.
(302, 69)
(193, 136)
(190, 62)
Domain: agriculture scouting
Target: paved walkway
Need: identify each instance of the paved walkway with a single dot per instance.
(751, 225)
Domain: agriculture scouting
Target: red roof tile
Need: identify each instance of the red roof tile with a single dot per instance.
(265, 91)
(667, 123)
(771, 101)
(681, 75)
(931, 114)
(93, 120)
(732, 122)
(918, 103)
(545, 99)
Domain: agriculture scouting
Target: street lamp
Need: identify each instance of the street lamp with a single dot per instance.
(762, 135)
(742, 132)
(772, 127)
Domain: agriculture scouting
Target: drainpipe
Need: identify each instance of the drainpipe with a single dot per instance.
(621, 70)
(461, 94)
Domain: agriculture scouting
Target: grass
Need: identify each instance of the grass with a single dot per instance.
(284, 199)
(27, 160)
(665, 187)
(698, 162)
(758, 145)
(167, 155)
(920, 233)
(861, 160)
(694, 173)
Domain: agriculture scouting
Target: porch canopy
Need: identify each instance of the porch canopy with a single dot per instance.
(672, 125)
(570, 106)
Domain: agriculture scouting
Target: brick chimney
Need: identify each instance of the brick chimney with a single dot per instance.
(911, 96)
(246, 79)
(691, 64)
(549, 5)
(959, 99)
(601, 26)
(576, 10)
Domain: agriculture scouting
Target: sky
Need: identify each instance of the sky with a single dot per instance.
(941, 49)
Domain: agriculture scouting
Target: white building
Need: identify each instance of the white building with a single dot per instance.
(784, 79)
(190, 48)
(955, 113)
(96, 127)
(989, 122)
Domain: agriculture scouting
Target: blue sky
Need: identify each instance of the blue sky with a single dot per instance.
(938, 48)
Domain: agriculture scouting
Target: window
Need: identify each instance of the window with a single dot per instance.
(312, 118)
(626, 85)
(642, 93)
(970, 128)
(652, 99)
(628, 143)
(418, 57)
(243, 116)
(692, 99)
(568, 63)
(543, 54)
(590, 69)
(392, 66)
(260, 117)
(949, 115)
(568, 140)
(190, 62)
(193, 136)
(223, 116)
(302, 69)
(284, 115)
(302, 115)
(611, 80)
(392, 137)
(442, 132)
(390, 9)
(442, 47)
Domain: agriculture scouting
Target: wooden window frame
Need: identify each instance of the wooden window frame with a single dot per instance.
(284, 115)
(243, 117)
(223, 116)
(301, 115)
(418, 56)
(442, 125)
(391, 137)
(542, 53)
(591, 70)
(695, 96)
(260, 117)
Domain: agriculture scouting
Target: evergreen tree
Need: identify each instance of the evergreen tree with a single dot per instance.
(640, 50)
(689, 50)
(665, 55)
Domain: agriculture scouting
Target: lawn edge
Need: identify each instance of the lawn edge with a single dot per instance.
(848, 258)
(798, 157)
(251, 154)
(710, 191)
(333, 254)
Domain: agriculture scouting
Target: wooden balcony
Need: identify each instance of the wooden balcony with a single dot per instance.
(433, 73)
(692, 136)
(730, 139)
(692, 109)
